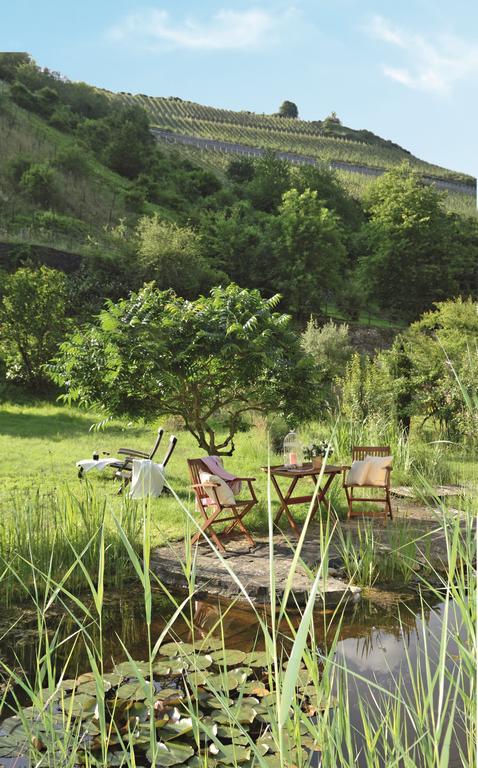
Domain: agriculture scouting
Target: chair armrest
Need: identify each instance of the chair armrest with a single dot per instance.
(133, 452)
(345, 466)
(246, 479)
(206, 485)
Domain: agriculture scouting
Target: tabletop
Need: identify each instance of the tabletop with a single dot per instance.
(305, 470)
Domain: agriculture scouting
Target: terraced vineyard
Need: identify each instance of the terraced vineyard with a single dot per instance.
(333, 143)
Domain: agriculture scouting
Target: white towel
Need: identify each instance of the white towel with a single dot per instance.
(147, 479)
(87, 464)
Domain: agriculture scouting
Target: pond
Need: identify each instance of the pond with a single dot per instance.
(382, 639)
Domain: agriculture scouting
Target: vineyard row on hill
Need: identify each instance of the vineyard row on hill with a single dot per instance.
(292, 157)
(280, 134)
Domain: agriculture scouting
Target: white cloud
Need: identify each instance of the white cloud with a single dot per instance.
(225, 30)
(432, 66)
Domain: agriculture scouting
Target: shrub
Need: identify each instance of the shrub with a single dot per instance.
(17, 167)
(39, 184)
(72, 160)
(32, 322)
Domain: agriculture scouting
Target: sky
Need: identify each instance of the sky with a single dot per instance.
(407, 70)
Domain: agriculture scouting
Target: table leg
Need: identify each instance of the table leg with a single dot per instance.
(283, 500)
(321, 494)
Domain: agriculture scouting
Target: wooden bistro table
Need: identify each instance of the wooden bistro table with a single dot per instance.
(294, 474)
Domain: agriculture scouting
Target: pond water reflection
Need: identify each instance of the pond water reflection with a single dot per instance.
(375, 637)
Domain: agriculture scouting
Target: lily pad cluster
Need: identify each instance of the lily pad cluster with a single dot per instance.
(195, 705)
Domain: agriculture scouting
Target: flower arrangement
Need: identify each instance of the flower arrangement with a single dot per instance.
(318, 450)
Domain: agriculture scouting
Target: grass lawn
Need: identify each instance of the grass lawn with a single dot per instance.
(41, 443)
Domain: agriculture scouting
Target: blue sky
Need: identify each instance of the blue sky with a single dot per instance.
(407, 70)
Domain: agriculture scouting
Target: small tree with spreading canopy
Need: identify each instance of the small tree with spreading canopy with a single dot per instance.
(210, 362)
(288, 109)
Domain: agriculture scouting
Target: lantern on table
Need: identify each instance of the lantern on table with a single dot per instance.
(293, 451)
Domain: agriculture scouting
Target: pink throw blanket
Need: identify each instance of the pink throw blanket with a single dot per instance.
(214, 465)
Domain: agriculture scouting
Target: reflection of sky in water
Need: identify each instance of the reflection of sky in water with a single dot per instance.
(389, 654)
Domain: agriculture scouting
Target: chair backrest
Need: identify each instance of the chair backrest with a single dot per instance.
(359, 452)
(172, 445)
(195, 467)
(157, 443)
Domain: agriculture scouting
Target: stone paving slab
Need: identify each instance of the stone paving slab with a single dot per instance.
(252, 569)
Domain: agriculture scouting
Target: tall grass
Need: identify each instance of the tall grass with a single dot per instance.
(419, 723)
(50, 534)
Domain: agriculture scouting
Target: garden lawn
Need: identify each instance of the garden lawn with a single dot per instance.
(41, 443)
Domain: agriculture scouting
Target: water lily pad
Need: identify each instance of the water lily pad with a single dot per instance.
(199, 661)
(214, 703)
(229, 754)
(226, 658)
(258, 659)
(256, 688)
(80, 704)
(90, 687)
(128, 669)
(171, 730)
(171, 754)
(167, 667)
(228, 681)
(133, 691)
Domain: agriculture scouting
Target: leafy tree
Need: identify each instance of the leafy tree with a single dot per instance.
(241, 170)
(130, 145)
(32, 322)
(442, 365)
(210, 362)
(172, 256)
(235, 240)
(308, 252)
(39, 183)
(413, 257)
(288, 109)
(271, 179)
(330, 191)
(329, 345)
(10, 64)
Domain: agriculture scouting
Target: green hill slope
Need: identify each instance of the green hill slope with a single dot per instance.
(327, 141)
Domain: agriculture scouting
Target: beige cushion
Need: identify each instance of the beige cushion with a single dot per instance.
(377, 469)
(357, 473)
(224, 494)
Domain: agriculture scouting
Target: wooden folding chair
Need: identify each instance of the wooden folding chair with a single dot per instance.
(212, 509)
(358, 454)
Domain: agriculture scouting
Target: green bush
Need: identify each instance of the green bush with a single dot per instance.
(32, 322)
(72, 160)
(39, 184)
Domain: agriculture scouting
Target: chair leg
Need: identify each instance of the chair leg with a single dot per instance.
(204, 529)
(389, 504)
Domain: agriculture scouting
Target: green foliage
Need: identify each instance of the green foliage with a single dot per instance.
(309, 256)
(288, 109)
(236, 240)
(442, 362)
(329, 345)
(10, 63)
(32, 322)
(367, 390)
(72, 159)
(271, 180)
(209, 362)
(39, 184)
(413, 258)
(172, 256)
(130, 143)
(241, 170)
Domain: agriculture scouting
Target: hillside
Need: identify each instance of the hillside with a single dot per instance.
(326, 141)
